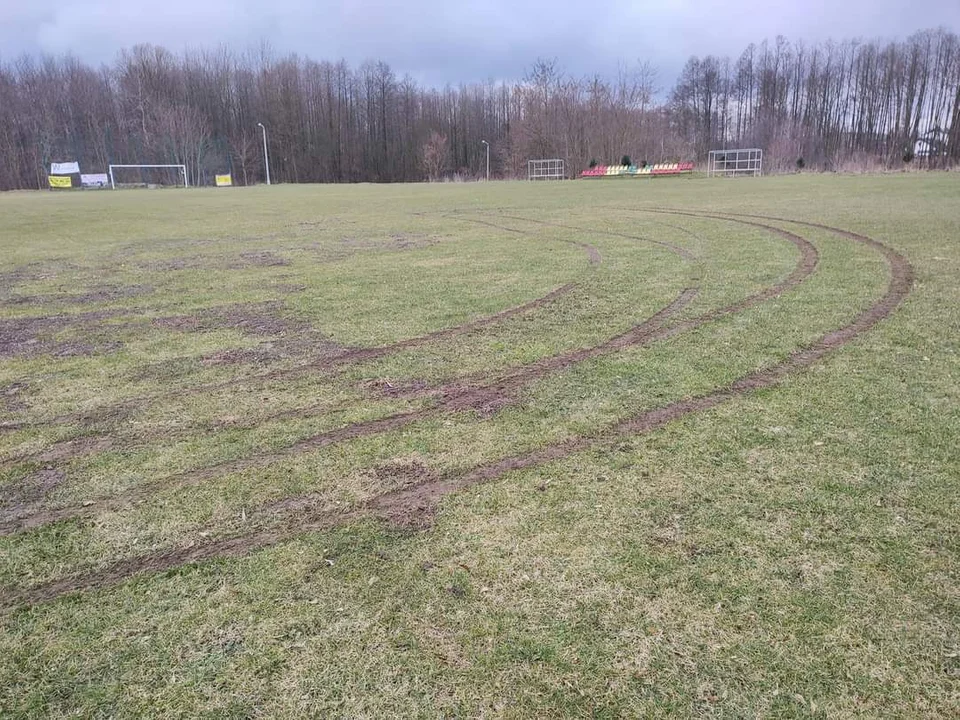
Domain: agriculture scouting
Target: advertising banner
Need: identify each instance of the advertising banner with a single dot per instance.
(67, 168)
(94, 180)
(60, 182)
(224, 181)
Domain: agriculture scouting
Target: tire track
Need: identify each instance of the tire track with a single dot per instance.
(676, 249)
(411, 502)
(593, 254)
(492, 394)
(421, 498)
(327, 362)
(452, 397)
(806, 265)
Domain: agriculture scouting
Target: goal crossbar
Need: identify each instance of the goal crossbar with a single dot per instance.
(183, 171)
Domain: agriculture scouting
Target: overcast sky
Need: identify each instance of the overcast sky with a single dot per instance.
(439, 41)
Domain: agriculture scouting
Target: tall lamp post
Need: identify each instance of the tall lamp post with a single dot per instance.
(488, 158)
(266, 157)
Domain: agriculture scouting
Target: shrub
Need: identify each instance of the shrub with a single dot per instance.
(800, 163)
(625, 160)
(908, 156)
(593, 163)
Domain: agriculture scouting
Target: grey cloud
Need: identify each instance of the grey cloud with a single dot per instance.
(439, 41)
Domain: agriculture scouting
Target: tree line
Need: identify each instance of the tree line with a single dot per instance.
(820, 106)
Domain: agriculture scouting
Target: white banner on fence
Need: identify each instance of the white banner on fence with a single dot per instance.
(94, 180)
(67, 168)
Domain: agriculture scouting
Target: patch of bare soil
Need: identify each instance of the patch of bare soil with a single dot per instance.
(100, 294)
(262, 258)
(406, 241)
(70, 449)
(32, 336)
(32, 272)
(248, 318)
(406, 388)
(288, 337)
(243, 356)
(61, 452)
(11, 278)
(168, 369)
(180, 263)
(405, 475)
(26, 493)
(240, 261)
(109, 293)
(11, 397)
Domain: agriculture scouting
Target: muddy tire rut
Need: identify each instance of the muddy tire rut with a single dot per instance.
(418, 499)
(485, 396)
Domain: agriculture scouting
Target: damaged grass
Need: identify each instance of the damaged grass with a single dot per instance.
(789, 553)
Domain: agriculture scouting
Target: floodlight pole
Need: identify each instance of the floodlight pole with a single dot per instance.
(266, 157)
(488, 158)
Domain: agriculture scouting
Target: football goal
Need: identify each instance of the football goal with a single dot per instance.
(545, 169)
(150, 176)
(731, 163)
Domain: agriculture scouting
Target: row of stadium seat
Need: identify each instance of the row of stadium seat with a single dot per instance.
(658, 169)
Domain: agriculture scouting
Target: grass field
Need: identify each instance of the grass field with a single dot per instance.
(673, 448)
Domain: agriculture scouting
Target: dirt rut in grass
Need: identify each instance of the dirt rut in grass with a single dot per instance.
(485, 398)
(644, 334)
(407, 504)
(411, 503)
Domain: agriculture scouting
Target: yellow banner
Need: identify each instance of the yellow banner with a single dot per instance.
(224, 181)
(60, 182)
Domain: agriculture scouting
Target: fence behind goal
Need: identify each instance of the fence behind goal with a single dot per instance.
(545, 169)
(730, 163)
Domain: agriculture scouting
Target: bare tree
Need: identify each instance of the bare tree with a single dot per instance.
(827, 102)
(436, 155)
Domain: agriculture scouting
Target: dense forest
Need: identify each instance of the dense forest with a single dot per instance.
(827, 106)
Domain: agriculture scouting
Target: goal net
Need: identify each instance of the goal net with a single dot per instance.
(545, 169)
(731, 163)
(149, 176)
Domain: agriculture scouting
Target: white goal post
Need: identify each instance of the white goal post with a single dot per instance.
(731, 163)
(182, 172)
(552, 169)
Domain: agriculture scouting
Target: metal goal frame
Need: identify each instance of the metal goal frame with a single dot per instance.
(551, 169)
(733, 163)
(183, 172)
